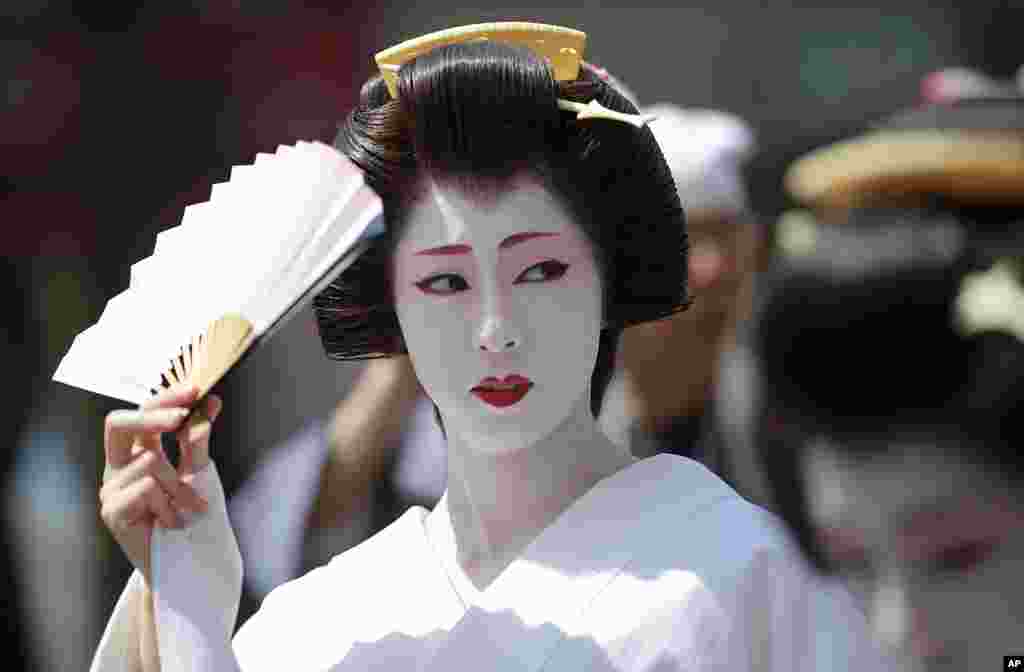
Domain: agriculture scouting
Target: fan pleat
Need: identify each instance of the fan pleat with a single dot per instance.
(232, 269)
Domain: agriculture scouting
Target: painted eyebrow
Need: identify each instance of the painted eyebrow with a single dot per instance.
(517, 238)
(511, 241)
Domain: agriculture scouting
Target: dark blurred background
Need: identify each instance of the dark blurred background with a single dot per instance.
(118, 115)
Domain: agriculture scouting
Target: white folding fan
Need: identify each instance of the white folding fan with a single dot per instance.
(235, 269)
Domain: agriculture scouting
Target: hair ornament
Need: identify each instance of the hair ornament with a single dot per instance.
(796, 234)
(595, 110)
(992, 300)
(561, 47)
(952, 84)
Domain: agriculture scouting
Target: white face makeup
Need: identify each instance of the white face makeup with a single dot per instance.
(933, 547)
(507, 291)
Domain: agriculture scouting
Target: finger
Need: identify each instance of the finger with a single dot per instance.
(145, 443)
(214, 405)
(194, 436)
(189, 498)
(130, 506)
(146, 519)
(197, 428)
(161, 504)
(178, 395)
(192, 439)
(124, 509)
(155, 464)
(121, 428)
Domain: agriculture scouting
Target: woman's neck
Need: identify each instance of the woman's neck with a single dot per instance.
(500, 503)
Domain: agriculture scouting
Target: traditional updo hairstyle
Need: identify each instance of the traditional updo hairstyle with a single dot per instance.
(863, 342)
(476, 116)
(867, 356)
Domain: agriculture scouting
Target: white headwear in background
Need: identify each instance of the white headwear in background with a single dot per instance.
(705, 149)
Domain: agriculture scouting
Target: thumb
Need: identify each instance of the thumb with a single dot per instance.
(194, 436)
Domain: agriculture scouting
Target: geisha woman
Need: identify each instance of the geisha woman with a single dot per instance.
(905, 481)
(521, 238)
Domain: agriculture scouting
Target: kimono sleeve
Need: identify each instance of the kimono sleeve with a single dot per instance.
(201, 562)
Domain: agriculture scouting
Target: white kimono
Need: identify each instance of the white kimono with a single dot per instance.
(660, 567)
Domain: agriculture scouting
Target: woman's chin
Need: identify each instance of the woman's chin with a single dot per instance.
(496, 431)
(494, 443)
(501, 437)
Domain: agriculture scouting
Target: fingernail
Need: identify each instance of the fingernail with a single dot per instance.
(171, 414)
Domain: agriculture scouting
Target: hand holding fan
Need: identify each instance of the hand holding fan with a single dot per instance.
(235, 268)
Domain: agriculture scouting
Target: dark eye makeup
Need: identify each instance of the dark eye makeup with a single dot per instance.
(444, 284)
(961, 558)
(550, 270)
(954, 561)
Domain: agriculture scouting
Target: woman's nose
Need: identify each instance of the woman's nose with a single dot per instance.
(899, 622)
(497, 335)
(497, 331)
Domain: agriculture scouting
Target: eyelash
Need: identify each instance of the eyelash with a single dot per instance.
(949, 562)
(556, 270)
(962, 558)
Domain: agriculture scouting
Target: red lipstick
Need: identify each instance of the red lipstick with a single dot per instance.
(502, 393)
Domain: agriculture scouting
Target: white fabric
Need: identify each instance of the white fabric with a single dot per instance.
(191, 566)
(198, 565)
(660, 567)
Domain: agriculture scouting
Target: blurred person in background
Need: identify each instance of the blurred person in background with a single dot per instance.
(669, 367)
(891, 363)
(20, 344)
(348, 476)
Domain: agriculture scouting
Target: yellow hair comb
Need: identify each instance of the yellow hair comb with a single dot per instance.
(561, 47)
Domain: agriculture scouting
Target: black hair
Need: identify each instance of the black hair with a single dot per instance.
(476, 116)
(870, 356)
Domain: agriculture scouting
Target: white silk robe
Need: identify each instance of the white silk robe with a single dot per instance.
(661, 567)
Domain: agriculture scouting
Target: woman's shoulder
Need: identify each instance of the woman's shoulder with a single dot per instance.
(706, 523)
(349, 594)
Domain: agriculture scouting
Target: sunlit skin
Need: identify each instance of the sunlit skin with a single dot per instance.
(932, 545)
(490, 289)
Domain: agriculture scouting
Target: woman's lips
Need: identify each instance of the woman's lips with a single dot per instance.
(502, 393)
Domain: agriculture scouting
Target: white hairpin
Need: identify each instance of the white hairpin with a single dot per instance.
(991, 300)
(595, 110)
